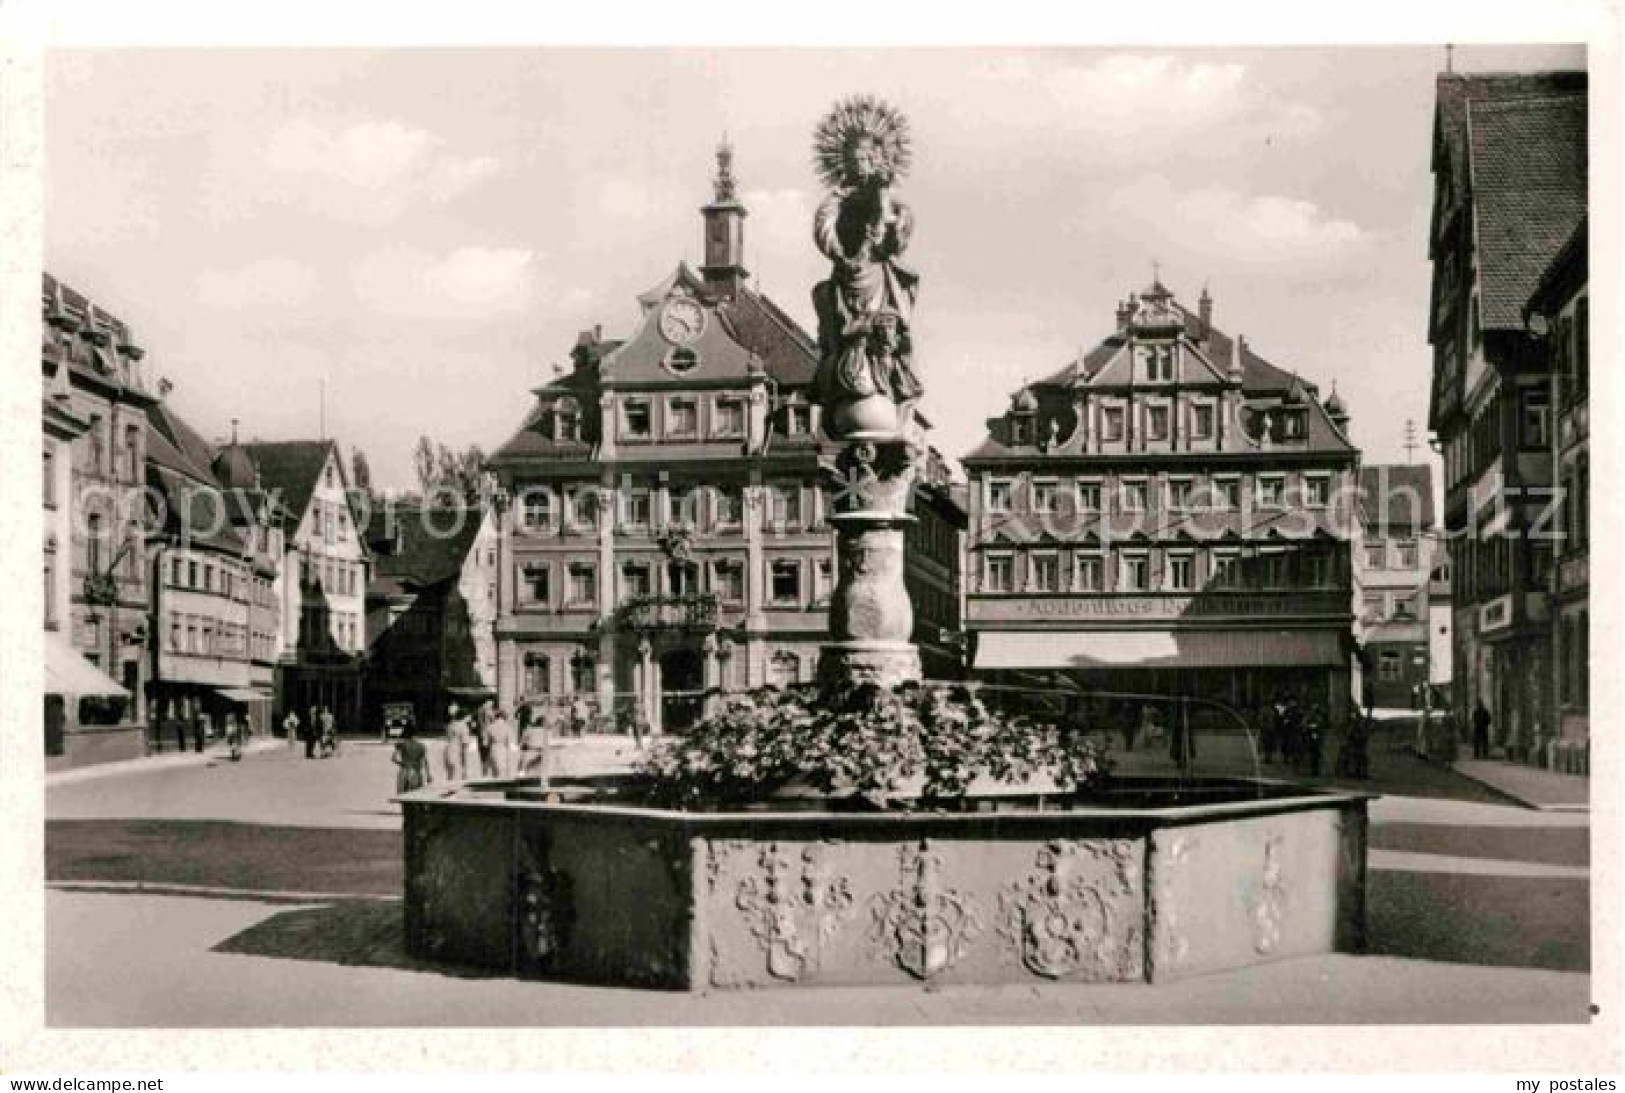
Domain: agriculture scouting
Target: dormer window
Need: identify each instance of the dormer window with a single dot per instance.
(635, 420)
(683, 417)
(730, 417)
(797, 420)
(1201, 423)
(1111, 423)
(1294, 424)
(1021, 430)
(1157, 362)
(567, 423)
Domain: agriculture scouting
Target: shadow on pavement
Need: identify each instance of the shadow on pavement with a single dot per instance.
(216, 853)
(1549, 845)
(364, 934)
(1470, 918)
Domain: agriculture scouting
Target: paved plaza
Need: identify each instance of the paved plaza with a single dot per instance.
(285, 874)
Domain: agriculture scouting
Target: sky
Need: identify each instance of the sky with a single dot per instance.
(420, 234)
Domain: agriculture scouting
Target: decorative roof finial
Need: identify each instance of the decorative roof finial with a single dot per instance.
(726, 186)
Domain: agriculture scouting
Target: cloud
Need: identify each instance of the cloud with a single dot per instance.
(369, 172)
(1261, 228)
(470, 282)
(1138, 101)
(264, 283)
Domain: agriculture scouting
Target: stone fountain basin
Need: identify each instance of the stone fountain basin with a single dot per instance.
(1160, 881)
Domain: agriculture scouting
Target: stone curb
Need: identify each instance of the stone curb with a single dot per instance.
(164, 761)
(1516, 798)
(204, 891)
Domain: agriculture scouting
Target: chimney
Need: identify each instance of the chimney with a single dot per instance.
(1237, 349)
(1125, 312)
(1204, 313)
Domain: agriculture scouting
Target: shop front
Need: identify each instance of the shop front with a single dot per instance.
(85, 715)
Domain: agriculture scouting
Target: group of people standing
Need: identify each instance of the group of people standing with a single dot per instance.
(235, 730)
(319, 732)
(1294, 734)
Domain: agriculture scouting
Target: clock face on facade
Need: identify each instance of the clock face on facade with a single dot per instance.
(682, 320)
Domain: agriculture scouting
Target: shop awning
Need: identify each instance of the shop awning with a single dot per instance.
(243, 694)
(67, 672)
(1160, 649)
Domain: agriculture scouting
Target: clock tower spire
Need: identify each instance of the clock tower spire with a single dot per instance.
(724, 268)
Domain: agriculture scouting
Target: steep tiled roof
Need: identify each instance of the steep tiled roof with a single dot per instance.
(787, 352)
(1567, 270)
(196, 509)
(415, 547)
(1529, 191)
(290, 468)
(165, 454)
(1396, 497)
(1260, 380)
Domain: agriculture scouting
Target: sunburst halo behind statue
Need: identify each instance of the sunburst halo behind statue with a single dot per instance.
(851, 120)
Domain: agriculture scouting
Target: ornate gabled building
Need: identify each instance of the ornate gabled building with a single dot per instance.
(663, 532)
(320, 590)
(1394, 560)
(97, 397)
(1509, 160)
(1169, 513)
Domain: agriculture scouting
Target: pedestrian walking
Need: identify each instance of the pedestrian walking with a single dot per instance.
(499, 745)
(1354, 757)
(1291, 739)
(290, 726)
(411, 759)
(177, 725)
(456, 752)
(330, 734)
(578, 717)
(534, 739)
(1314, 724)
(200, 730)
(234, 737)
(483, 716)
(1481, 731)
(313, 731)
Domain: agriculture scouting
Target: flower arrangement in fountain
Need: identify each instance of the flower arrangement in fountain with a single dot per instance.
(917, 746)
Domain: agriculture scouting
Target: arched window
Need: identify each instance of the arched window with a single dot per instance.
(538, 675)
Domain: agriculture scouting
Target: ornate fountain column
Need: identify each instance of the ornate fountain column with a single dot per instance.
(866, 388)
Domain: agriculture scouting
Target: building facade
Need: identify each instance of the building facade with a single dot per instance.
(320, 591)
(1509, 163)
(1167, 514)
(1394, 559)
(431, 610)
(1560, 311)
(209, 587)
(662, 524)
(93, 374)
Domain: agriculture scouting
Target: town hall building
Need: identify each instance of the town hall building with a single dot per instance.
(663, 532)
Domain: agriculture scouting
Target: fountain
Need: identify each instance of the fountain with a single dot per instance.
(878, 829)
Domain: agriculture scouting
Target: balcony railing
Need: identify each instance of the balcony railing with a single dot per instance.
(656, 613)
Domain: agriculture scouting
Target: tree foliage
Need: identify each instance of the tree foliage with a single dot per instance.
(360, 471)
(913, 745)
(444, 474)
